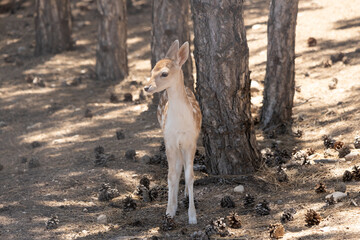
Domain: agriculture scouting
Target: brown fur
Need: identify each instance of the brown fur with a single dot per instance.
(163, 63)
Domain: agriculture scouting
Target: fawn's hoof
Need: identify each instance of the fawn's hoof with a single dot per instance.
(192, 220)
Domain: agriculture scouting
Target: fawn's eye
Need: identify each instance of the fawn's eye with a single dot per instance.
(164, 74)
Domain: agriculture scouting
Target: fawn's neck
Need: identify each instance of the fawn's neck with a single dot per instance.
(176, 93)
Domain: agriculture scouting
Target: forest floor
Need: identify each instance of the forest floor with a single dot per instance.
(47, 143)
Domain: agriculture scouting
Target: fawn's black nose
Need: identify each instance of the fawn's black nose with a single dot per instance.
(146, 88)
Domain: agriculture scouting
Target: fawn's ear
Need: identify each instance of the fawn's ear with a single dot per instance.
(172, 52)
(183, 54)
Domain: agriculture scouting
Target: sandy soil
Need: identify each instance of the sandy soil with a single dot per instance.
(66, 183)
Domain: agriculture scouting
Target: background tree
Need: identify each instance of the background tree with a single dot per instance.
(280, 68)
(111, 52)
(170, 22)
(52, 26)
(223, 86)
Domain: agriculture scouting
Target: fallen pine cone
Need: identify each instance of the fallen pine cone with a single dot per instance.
(234, 220)
(129, 204)
(338, 145)
(347, 176)
(249, 201)
(331, 200)
(217, 226)
(145, 181)
(328, 141)
(276, 230)
(357, 142)
(356, 173)
(299, 133)
(320, 188)
(281, 175)
(262, 208)
(312, 218)
(107, 193)
(168, 223)
(288, 215)
(52, 223)
(227, 202)
(310, 151)
(311, 42)
(114, 98)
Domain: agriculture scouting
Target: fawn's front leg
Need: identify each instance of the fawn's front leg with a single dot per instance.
(188, 155)
(175, 163)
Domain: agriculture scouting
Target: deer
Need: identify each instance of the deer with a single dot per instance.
(180, 119)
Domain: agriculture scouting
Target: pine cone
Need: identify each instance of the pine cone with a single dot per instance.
(158, 192)
(301, 155)
(153, 193)
(281, 175)
(218, 226)
(357, 142)
(227, 202)
(310, 151)
(331, 200)
(52, 223)
(288, 215)
(234, 220)
(299, 133)
(328, 141)
(320, 188)
(145, 181)
(338, 145)
(99, 150)
(311, 42)
(347, 176)
(107, 193)
(356, 173)
(262, 208)
(249, 201)
(129, 204)
(312, 218)
(168, 223)
(276, 230)
(344, 151)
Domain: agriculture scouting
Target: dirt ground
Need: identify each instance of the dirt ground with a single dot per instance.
(57, 175)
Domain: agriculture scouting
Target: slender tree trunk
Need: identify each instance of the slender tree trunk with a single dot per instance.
(111, 52)
(280, 68)
(170, 22)
(223, 86)
(52, 26)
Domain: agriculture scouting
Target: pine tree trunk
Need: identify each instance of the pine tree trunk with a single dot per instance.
(52, 26)
(170, 22)
(111, 52)
(223, 86)
(280, 68)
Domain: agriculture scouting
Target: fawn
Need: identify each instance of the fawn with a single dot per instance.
(180, 118)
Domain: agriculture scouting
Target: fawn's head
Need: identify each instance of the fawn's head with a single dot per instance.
(167, 70)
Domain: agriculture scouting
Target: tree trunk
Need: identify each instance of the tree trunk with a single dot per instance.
(111, 51)
(223, 86)
(280, 68)
(52, 26)
(170, 22)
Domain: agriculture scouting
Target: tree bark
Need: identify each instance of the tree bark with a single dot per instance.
(170, 22)
(52, 26)
(111, 51)
(280, 68)
(223, 86)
